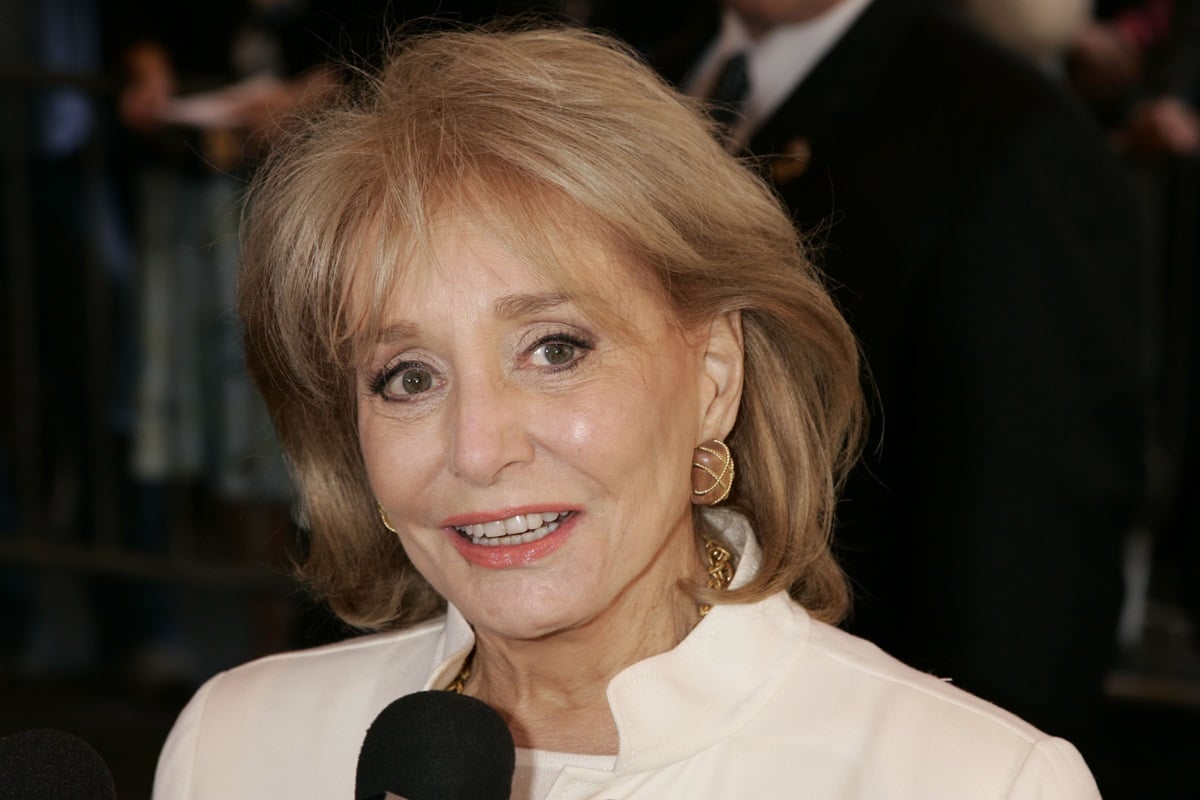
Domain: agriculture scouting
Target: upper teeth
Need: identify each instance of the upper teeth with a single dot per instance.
(511, 526)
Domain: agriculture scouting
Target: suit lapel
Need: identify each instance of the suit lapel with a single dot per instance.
(798, 136)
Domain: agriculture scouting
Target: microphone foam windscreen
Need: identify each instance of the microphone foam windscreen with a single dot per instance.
(47, 763)
(436, 745)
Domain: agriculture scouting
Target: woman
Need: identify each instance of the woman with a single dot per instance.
(512, 308)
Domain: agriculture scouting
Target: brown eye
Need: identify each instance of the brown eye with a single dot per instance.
(413, 380)
(557, 353)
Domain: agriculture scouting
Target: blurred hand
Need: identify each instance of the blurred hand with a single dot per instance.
(265, 114)
(243, 118)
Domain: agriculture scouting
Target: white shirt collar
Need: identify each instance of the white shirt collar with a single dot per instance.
(778, 62)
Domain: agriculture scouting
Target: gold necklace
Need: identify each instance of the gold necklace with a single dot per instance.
(460, 681)
(720, 574)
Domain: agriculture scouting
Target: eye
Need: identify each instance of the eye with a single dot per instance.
(411, 381)
(554, 354)
(404, 380)
(558, 351)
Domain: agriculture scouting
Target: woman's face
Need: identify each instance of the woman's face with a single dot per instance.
(534, 460)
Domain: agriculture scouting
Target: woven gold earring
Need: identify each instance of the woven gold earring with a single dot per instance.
(712, 473)
(383, 517)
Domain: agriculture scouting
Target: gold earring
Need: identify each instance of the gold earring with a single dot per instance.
(383, 517)
(712, 473)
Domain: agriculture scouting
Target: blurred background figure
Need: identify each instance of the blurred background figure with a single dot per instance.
(1148, 101)
(69, 269)
(205, 88)
(1108, 57)
(1137, 65)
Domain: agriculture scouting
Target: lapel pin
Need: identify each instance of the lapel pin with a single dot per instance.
(792, 162)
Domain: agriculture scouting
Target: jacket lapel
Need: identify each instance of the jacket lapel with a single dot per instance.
(798, 137)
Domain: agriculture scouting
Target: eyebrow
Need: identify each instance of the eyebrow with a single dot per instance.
(515, 306)
(397, 332)
(512, 306)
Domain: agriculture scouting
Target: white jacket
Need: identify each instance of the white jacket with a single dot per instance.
(759, 701)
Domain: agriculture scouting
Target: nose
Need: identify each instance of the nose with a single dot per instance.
(488, 430)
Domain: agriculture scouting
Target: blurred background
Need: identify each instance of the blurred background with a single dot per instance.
(146, 518)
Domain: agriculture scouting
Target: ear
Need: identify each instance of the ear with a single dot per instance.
(721, 383)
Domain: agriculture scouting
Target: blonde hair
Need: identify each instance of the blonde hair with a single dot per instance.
(512, 123)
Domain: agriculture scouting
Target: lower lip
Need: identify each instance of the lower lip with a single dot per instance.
(512, 555)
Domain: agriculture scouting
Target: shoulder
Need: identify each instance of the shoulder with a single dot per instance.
(869, 671)
(413, 645)
(300, 714)
(943, 87)
(307, 681)
(905, 727)
(947, 56)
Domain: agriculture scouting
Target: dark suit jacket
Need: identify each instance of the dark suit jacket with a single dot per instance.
(982, 242)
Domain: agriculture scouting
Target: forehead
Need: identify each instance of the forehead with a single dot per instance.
(466, 253)
(526, 247)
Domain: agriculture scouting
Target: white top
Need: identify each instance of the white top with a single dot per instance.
(759, 700)
(777, 62)
(537, 770)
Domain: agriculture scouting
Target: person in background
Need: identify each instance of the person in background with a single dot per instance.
(515, 314)
(984, 245)
(1160, 134)
(1108, 57)
(67, 275)
(1163, 120)
(1166, 125)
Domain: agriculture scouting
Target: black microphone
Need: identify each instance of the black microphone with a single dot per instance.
(46, 763)
(436, 746)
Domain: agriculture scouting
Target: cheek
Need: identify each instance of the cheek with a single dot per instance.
(374, 448)
(593, 427)
(368, 446)
(621, 430)
(583, 430)
(394, 456)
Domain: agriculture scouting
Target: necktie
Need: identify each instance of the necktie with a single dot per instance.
(730, 90)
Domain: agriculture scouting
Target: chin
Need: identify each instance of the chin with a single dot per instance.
(531, 618)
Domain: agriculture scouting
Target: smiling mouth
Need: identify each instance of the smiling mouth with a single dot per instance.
(519, 529)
